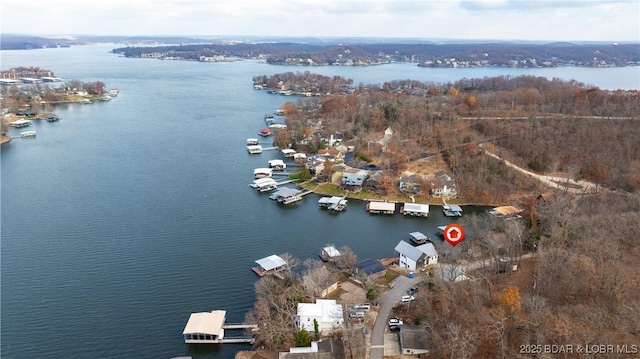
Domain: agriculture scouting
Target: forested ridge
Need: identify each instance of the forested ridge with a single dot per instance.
(424, 54)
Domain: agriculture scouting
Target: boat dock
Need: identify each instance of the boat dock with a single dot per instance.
(210, 327)
(334, 203)
(374, 207)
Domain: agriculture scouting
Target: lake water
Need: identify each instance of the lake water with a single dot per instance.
(124, 217)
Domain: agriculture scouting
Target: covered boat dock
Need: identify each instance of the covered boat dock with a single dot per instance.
(381, 207)
(334, 203)
(415, 209)
(270, 265)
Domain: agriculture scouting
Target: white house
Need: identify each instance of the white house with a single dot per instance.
(327, 312)
(413, 258)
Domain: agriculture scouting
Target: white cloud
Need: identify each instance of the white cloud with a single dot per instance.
(550, 20)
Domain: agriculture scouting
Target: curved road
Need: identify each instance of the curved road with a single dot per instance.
(386, 302)
(563, 183)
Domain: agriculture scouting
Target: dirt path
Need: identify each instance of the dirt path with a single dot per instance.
(563, 183)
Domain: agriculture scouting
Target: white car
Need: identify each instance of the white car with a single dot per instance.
(407, 298)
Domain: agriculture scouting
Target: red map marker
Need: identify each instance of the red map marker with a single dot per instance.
(453, 234)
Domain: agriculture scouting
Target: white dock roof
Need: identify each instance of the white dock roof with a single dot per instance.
(271, 262)
(288, 151)
(416, 207)
(205, 322)
(382, 206)
(331, 251)
(265, 181)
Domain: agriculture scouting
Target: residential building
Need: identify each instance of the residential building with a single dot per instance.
(326, 312)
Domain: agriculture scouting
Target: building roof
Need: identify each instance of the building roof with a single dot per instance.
(370, 266)
(415, 253)
(205, 322)
(271, 262)
(413, 337)
(429, 249)
(327, 310)
(354, 179)
(408, 250)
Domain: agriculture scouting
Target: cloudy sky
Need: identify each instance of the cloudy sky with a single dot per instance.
(546, 20)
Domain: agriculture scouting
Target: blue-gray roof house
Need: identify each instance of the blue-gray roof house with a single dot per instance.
(354, 181)
(369, 267)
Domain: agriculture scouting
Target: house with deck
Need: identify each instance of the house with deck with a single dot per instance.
(326, 312)
(418, 257)
(353, 181)
(369, 267)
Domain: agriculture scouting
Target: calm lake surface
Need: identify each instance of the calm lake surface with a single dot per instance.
(124, 217)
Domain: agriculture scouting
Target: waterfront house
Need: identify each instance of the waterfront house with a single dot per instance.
(369, 267)
(353, 181)
(325, 349)
(410, 184)
(270, 265)
(374, 181)
(446, 191)
(414, 258)
(326, 312)
(204, 327)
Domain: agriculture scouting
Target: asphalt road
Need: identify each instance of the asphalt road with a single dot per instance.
(386, 302)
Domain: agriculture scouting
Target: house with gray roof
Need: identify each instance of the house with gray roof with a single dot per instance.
(414, 258)
(354, 181)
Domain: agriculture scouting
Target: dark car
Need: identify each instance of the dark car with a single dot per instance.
(412, 290)
(393, 328)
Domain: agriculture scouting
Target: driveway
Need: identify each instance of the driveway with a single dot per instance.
(386, 302)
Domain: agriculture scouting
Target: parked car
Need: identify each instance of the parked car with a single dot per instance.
(407, 298)
(395, 321)
(394, 327)
(412, 290)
